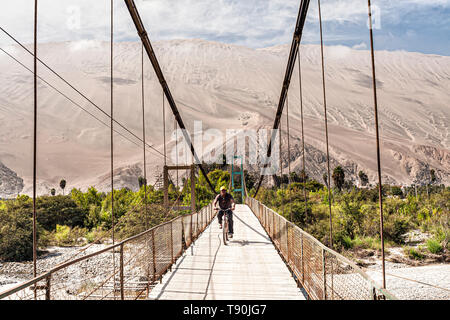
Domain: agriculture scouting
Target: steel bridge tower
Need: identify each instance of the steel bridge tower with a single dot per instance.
(235, 185)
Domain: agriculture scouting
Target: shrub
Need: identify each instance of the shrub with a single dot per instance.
(423, 214)
(397, 191)
(97, 235)
(66, 236)
(414, 254)
(434, 246)
(367, 243)
(137, 221)
(60, 210)
(343, 241)
(16, 236)
(395, 229)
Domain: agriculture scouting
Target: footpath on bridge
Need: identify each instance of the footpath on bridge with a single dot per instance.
(249, 267)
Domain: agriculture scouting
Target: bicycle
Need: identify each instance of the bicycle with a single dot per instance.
(225, 224)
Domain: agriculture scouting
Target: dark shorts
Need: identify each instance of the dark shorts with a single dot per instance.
(230, 219)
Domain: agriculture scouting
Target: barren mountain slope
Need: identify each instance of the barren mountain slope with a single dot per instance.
(224, 86)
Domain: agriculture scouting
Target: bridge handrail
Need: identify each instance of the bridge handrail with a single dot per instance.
(161, 256)
(321, 271)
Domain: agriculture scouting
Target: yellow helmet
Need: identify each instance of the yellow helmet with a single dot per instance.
(223, 188)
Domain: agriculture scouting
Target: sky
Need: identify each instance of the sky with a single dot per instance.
(405, 25)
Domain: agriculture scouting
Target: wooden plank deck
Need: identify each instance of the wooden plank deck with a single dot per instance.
(249, 267)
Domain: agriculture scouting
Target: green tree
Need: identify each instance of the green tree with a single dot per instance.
(433, 176)
(338, 177)
(397, 191)
(61, 210)
(16, 236)
(142, 181)
(62, 185)
(325, 179)
(363, 178)
(303, 176)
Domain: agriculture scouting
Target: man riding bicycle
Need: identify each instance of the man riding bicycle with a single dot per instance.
(226, 202)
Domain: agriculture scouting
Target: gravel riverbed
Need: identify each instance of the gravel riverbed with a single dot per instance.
(429, 282)
(13, 273)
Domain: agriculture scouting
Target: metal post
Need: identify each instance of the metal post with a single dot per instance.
(193, 189)
(380, 193)
(192, 231)
(265, 218)
(302, 264)
(287, 244)
(171, 243)
(183, 235)
(122, 290)
(148, 267)
(166, 186)
(154, 255)
(324, 275)
(273, 225)
(48, 287)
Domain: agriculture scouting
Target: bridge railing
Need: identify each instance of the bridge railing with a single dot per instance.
(126, 270)
(321, 271)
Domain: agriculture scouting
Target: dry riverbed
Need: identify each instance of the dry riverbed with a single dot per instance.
(406, 278)
(13, 273)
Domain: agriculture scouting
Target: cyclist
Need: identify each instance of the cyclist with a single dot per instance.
(225, 201)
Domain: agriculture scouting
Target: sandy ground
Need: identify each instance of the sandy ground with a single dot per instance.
(239, 86)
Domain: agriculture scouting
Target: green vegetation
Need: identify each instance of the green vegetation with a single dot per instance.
(434, 246)
(414, 254)
(355, 213)
(16, 233)
(85, 217)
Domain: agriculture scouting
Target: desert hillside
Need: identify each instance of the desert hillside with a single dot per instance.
(224, 86)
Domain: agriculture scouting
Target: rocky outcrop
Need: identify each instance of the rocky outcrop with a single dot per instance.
(10, 183)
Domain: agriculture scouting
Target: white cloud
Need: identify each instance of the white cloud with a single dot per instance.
(254, 23)
(360, 46)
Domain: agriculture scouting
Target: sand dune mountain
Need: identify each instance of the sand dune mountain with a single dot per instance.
(224, 86)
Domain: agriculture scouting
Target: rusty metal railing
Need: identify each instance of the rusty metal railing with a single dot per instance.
(140, 262)
(322, 272)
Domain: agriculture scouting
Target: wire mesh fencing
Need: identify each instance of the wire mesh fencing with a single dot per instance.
(127, 270)
(321, 271)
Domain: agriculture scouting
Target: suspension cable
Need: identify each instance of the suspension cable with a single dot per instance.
(112, 140)
(74, 102)
(281, 157)
(140, 28)
(380, 192)
(164, 127)
(326, 125)
(288, 138)
(35, 147)
(175, 128)
(289, 156)
(143, 136)
(296, 39)
(74, 88)
(303, 133)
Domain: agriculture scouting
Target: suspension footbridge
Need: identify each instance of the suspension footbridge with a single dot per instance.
(269, 258)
